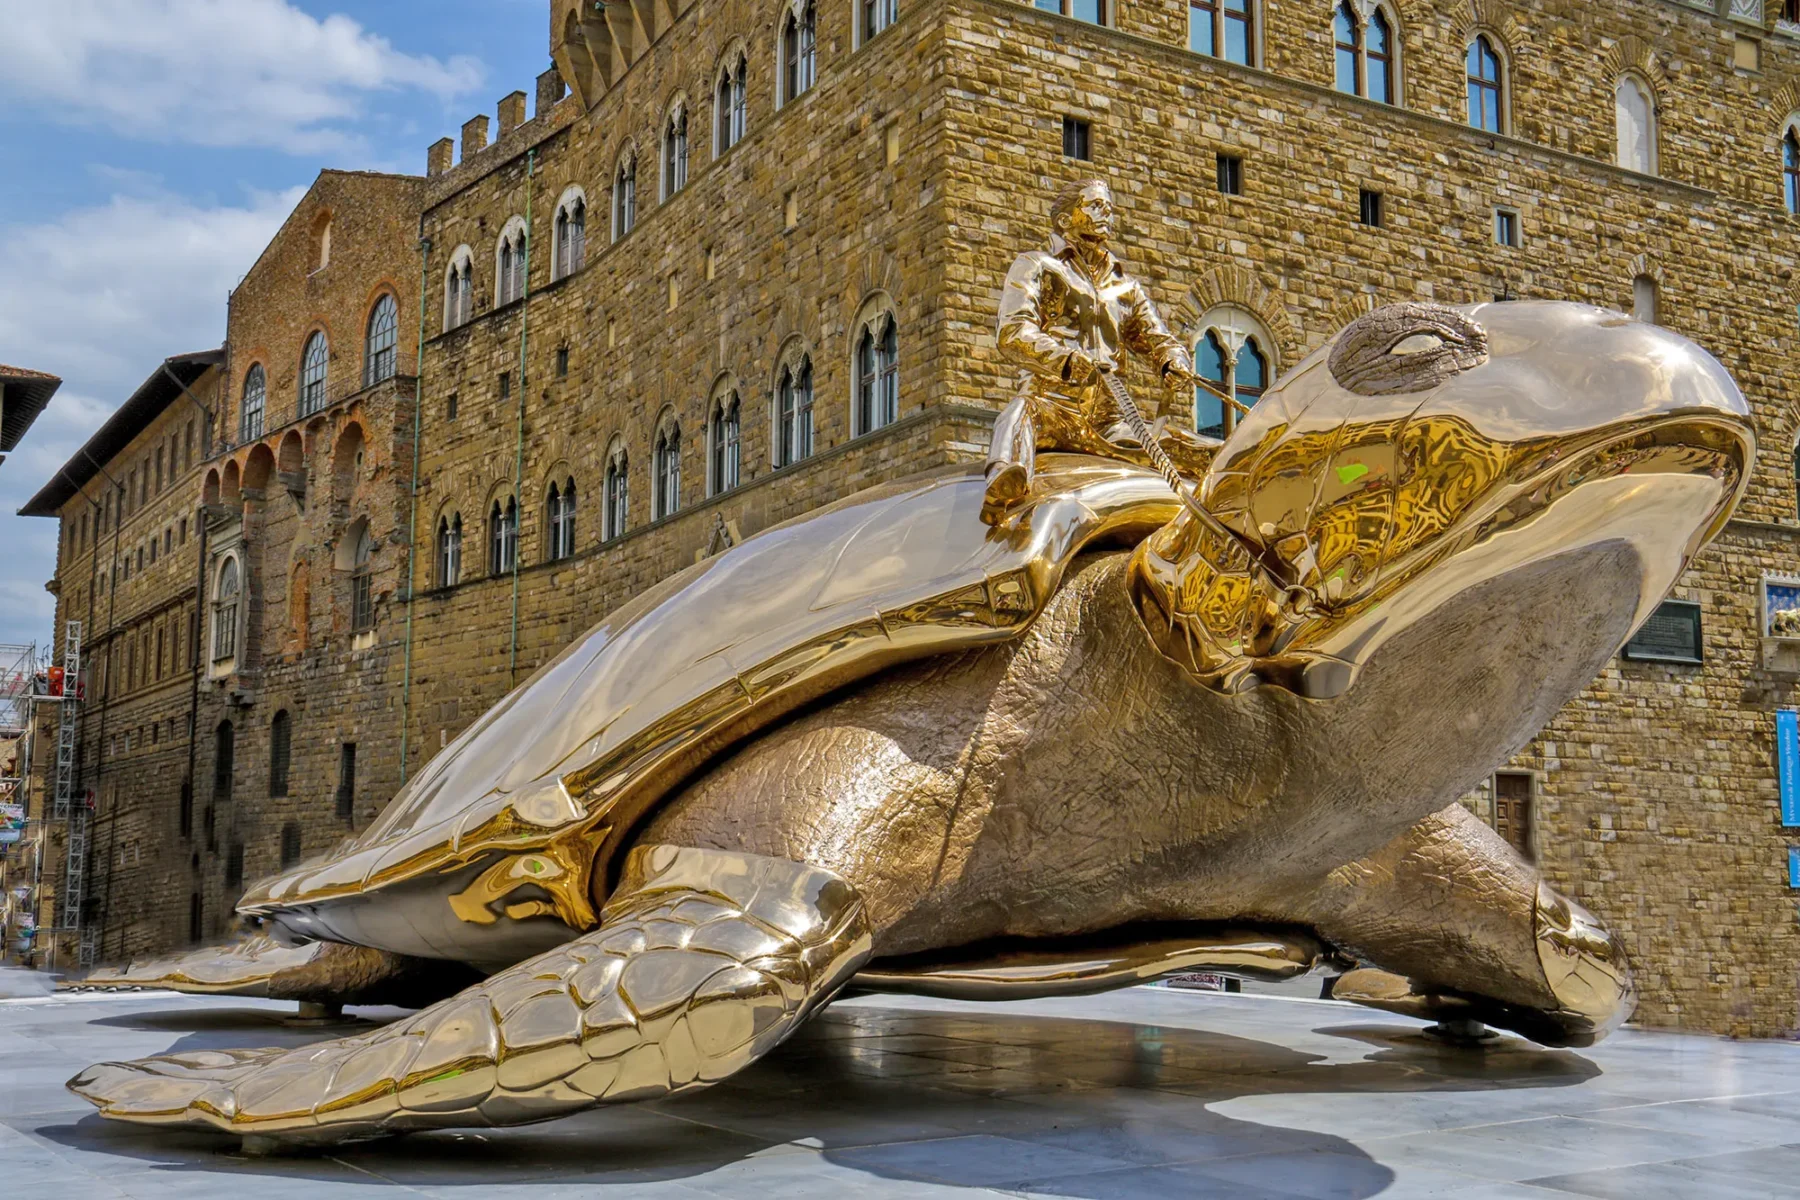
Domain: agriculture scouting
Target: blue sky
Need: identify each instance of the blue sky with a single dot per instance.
(150, 148)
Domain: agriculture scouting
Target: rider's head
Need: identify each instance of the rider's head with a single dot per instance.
(1083, 212)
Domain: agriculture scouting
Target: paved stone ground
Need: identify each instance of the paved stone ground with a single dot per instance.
(1145, 1093)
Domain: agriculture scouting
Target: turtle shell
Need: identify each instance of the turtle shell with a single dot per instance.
(538, 796)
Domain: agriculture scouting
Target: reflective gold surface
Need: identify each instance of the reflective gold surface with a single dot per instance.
(328, 973)
(1568, 424)
(1025, 971)
(558, 774)
(887, 732)
(704, 962)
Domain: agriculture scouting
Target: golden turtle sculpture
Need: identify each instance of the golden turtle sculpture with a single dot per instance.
(1124, 732)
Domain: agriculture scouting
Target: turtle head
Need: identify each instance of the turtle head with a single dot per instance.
(1429, 451)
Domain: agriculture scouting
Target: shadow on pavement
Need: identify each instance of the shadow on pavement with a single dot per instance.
(1066, 1107)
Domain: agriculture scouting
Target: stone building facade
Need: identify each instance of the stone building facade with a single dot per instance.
(128, 566)
(657, 318)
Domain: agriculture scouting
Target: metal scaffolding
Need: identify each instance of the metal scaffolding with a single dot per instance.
(23, 676)
(68, 805)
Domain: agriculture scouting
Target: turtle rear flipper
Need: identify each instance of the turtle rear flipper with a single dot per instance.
(255, 964)
(703, 962)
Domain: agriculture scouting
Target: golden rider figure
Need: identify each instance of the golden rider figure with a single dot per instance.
(1065, 314)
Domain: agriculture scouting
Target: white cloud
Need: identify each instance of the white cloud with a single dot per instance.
(100, 296)
(211, 72)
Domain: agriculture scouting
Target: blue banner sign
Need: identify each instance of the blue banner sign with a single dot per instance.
(1787, 763)
(1794, 866)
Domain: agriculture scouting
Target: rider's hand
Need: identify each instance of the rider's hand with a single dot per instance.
(1086, 367)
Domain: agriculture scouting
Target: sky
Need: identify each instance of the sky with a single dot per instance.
(148, 151)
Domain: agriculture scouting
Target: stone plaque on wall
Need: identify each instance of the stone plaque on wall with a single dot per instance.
(1672, 634)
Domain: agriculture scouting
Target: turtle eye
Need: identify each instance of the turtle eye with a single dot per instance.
(1418, 343)
(1410, 347)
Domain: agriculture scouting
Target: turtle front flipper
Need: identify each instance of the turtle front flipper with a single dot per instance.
(704, 961)
(316, 973)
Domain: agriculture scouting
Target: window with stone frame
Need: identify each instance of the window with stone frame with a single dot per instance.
(1486, 71)
(224, 768)
(1634, 117)
(799, 50)
(617, 501)
(1790, 165)
(314, 363)
(290, 844)
(1234, 352)
(362, 596)
(877, 373)
(449, 550)
(666, 463)
(675, 151)
(281, 732)
(459, 289)
(1366, 48)
(226, 594)
(571, 234)
(250, 413)
(731, 108)
(724, 433)
(1224, 29)
(875, 16)
(346, 789)
(559, 520)
(1094, 12)
(794, 412)
(511, 263)
(503, 536)
(381, 346)
(625, 196)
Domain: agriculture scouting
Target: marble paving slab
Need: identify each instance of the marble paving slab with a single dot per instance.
(1144, 1093)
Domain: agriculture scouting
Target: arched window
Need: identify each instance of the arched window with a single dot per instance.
(559, 517)
(723, 433)
(459, 289)
(877, 374)
(379, 354)
(1365, 53)
(1487, 86)
(449, 550)
(667, 464)
(511, 263)
(625, 196)
(618, 492)
(877, 15)
(571, 234)
(313, 363)
(799, 51)
(1644, 299)
(503, 537)
(1790, 168)
(280, 747)
(1233, 353)
(675, 151)
(1221, 28)
(225, 611)
(256, 394)
(362, 596)
(731, 115)
(1634, 111)
(794, 413)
